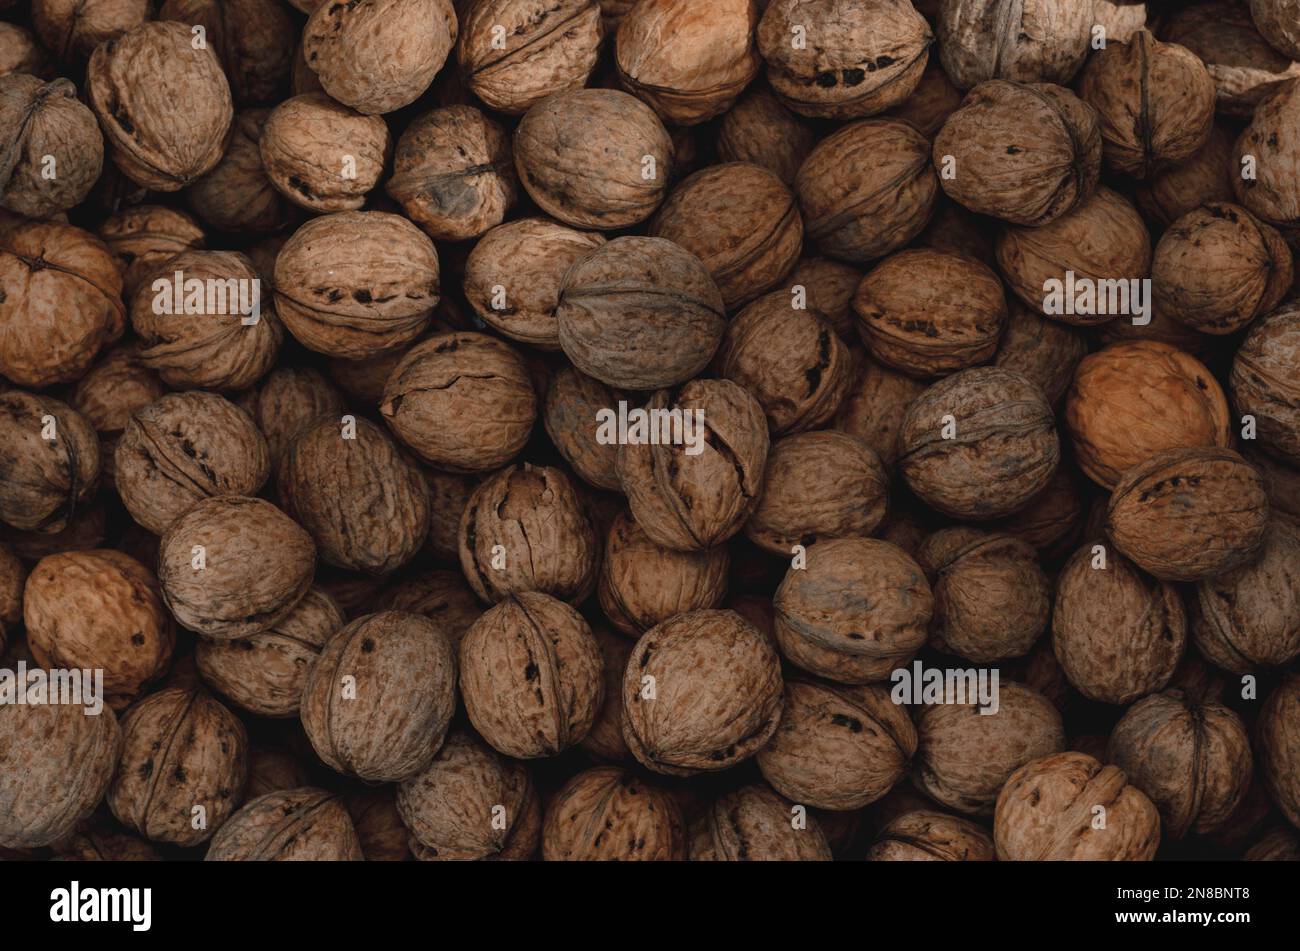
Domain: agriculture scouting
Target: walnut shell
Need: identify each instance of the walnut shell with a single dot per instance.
(291, 825)
(88, 528)
(71, 29)
(828, 288)
(702, 692)
(238, 195)
(926, 835)
(1282, 483)
(20, 52)
(143, 238)
(1273, 194)
(253, 39)
(13, 578)
(759, 130)
(1003, 453)
(1199, 180)
(380, 695)
(1189, 514)
(441, 596)
(257, 564)
(604, 741)
(1033, 41)
(99, 841)
(873, 410)
(44, 482)
(1278, 21)
(1027, 153)
(1046, 351)
(933, 101)
(608, 813)
(1265, 382)
(1277, 741)
(754, 824)
(379, 825)
(181, 750)
(1278, 845)
(52, 132)
(287, 400)
(117, 386)
(1047, 812)
(448, 495)
(570, 414)
(164, 105)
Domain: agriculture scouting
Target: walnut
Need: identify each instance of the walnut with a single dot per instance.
(594, 158)
(754, 824)
(44, 482)
(253, 39)
(290, 825)
(232, 567)
(62, 299)
(608, 813)
(1191, 757)
(1002, 451)
(441, 596)
(828, 288)
(1265, 382)
(693, 502)
(143, 238)
(20, 52)
(378, 57)
(99, 841)
(1282, 483)
(1121, 19)
(1117, 632)
(933, 101)
(873, 410)
(702, 692)
(1035, 41)
(1278, 21)
(264, 674)
(1189, 514)
(926, 835)
(182, 751)
(379, 826)
(1277, 733)
(758, 129)
(1027, 153)
(71, 29)
(286, 401)
(110, 394)
(55, 765)
(88, 528)
(394, 674)
(1272, 193)
(1200, 180)
(859, 608)
(1046, 351)
(604, 741)
(13, 578)
(448, 495)
(164, 105)
(1047, 811)
(55, 154)
(867, 189)
(570, 414)
(1218, 268)
(357, 283)
(184, 448)
(640, 313)
(1277, 845)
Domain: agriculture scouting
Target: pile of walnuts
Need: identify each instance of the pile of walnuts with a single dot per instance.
(968, 337)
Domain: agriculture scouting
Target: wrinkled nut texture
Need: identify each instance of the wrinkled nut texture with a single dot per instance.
(287, 401)
(926, 835)
(448, 495)
(144, 237)
(1199, 180)
(1249, 618)
(604, 741)
(702, 692)
(828, 288)
(1046, 351)
(1278, 21)
(52, 132)
(874, 407)
(322, 155)
(1273, 195)
(253, 39)
(292, 825)
(932, 102)
(441, 596)
(379, 697)
(859, 608)
(1029, 41)
(573, 402)
(71, 29)
(238, 194)
(608, 814)
(761, 131)
(44, 483)
(256, 565)
(181, 749)
(21, 52)
(1277, 734)
(1265, 382)
(754, 824)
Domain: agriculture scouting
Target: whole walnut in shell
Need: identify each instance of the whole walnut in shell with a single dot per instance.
(1199, 180)
(702, 692)
(761, 131)
(55, 153)
(1046, 351)
(253, 39)
(573, 401)
(926, 835)
(286, 401)
(21, 52)
(322, 155)
(144, 237)
(1278, 21)
(49, 462)
(291, 825)
(1272, 194)
(380, 695)
(164, 105)
(1047, 811)
(608, 813)
(441, 596)
(827, 288)
(604, 741)
(873, 410)
(71, 29)
(181, 751)
(754, 824)
(1265, 382)
(1031, 41)
(13, 578)
(933, 101)
(237, 195)
(1277, 742)
(448, 495)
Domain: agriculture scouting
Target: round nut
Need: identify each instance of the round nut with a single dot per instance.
(607, 813)
(291, 825)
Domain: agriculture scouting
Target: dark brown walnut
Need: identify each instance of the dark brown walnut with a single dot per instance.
(377, 57)
(237, 195)
(689, 62)
(609, 814)
(163, 104)
(1218, 268)
(53, 152)
(513, 277)
(1280, 844)
(1190, 756)
(594, 158)
(256, 565)
(1189, 514)
(13, 578)
(1047, 811)
(100, 841)
(265, 674)
(966, 754)
(379, 826)
(112, 391)
(1117, 633)
(1182, 407)
(470, 804)
(253, 40)
(693, 502)
(99, 610)
(979, 444)
(1278, 21)
(441, 596)
(573, 401)
(183, 768)
(1102, 240)
(88, 528)
(818, 486)
(758, 129)
(44, 482)
(801, 383)
(873, 410)
(956, 230)
(929, 313)
(60, 303)
(640, 313)
(183, 448)
(604, 741)
(1277, 743)
(1046, 351)
(1027, 153)
(1121, 19)
(531, 676)
(364, 502)
(1155, 103)
(991, 598)
(1030, 41)
(867, 189)
(286, 401)
(55, 765)
(354, 592)
(933, 101)
(1265, 382)
(856, 59)
(144, 237)
(291, 825)
(1199, 180)
(526, 529)
(71, 29)
(642, 584)
(1282, 484)
(448, 495)
(754, 824)
(357, 283)
(828, 288)
(20, 52)
(1273, 194)
(858, 609)
(702, 692)
(1249, 618)
(380, 695)
(1162, 329)
(926, 835)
